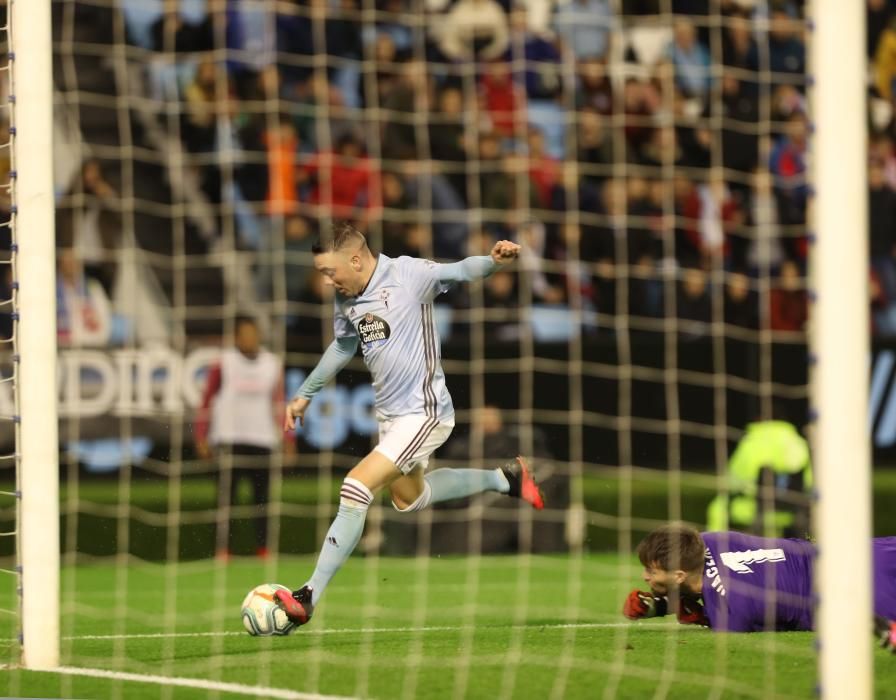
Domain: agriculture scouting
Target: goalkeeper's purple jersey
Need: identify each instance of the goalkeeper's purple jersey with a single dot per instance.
(751, 584)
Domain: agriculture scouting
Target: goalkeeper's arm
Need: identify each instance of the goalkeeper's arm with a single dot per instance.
(335, 357)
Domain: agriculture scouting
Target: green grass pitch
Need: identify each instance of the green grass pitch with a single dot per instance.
(506, 626)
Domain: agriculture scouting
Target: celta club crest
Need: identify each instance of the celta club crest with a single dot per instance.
(384, 297)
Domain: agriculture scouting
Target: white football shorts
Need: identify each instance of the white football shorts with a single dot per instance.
(410, 440)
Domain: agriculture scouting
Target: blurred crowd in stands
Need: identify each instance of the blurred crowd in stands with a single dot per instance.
(649, 154)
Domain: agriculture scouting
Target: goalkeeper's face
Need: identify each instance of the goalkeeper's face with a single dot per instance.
(661, 581)
(343, 270)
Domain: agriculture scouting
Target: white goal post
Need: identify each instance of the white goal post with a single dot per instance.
(35, 344)
(839, 337)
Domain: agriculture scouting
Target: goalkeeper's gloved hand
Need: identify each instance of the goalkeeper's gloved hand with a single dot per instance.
(691, 612)
(885, 631)
(640, 604)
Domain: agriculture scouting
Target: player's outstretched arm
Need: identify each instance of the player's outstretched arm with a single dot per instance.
(335, 357)
(478, 267)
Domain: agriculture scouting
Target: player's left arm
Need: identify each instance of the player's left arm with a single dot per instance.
(479, 267)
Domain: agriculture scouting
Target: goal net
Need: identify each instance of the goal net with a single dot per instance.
(650, 157)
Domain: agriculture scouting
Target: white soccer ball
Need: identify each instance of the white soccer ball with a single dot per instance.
(262, 617)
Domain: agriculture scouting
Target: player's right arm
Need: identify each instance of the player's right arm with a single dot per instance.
(335, 357)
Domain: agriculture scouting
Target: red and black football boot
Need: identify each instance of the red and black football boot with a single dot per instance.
(297, 605)
(523, 484)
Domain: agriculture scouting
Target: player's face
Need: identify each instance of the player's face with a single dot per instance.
(340, 269)
(662, 582)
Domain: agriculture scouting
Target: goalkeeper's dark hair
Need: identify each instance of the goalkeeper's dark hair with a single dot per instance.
(672, 547)
(342, 234)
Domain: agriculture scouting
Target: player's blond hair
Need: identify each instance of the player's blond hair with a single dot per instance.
(342, 235)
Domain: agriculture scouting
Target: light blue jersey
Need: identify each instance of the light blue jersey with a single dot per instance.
(392, 320)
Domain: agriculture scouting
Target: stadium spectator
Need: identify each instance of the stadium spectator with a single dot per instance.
(89, 219)
(718, 217)
(539, 59)
(433, 192)
(788, 164)
(762, 234)
(738, 45)
(741, 306)
(391, 21)
(594, 88)
(545, 288)
(396, 209)
(883, 309)
(740, 110)
(238, 424)
(622, 245)
(298, 235)
(585, 26)
(405, 98)
(383, 56)
(693, 303)
(786, 49)
(281, 145)
(473, 29)
(691, 60)
(319, 28)
(787, 101)
(692, 137)
(733, 582)
(788, 303)
(501, 297)
(570, 271)
(882, 229)
(173, 33)
(200, 120)
(449, 139)
(544, 169)
(344, 181)
(881, 152)
(251, 39)
(502, 99)
(309, 323)
(594, 146)
(638, 107)
(83, 311)
(877, 17)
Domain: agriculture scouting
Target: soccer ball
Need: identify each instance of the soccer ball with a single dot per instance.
(262, 617)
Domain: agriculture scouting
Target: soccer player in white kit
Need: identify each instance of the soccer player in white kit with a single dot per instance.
(384, 305)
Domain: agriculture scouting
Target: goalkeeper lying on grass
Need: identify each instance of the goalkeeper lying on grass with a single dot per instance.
(740, 583)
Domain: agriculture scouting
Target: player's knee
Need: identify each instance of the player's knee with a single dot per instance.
(403, 505)
(355, 494)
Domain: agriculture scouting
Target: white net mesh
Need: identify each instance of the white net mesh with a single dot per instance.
(650, 158)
